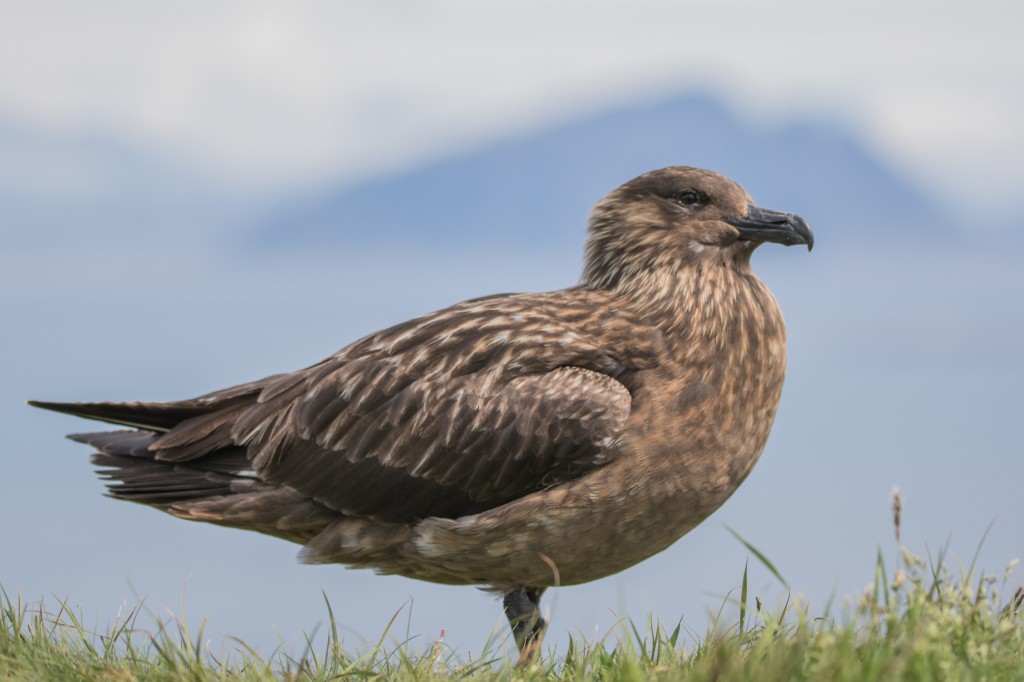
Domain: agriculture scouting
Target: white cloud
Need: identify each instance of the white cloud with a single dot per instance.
(259, 94)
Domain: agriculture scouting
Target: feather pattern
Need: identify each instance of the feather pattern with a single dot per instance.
(451, 413)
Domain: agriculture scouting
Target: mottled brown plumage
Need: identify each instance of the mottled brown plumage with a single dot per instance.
(516, 441)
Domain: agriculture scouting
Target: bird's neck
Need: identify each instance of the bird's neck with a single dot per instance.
(707, 310)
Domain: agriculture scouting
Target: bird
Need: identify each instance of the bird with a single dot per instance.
(515, 442)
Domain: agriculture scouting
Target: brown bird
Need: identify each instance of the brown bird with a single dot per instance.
(517, 441)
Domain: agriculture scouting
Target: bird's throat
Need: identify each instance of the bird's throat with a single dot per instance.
(708, 312)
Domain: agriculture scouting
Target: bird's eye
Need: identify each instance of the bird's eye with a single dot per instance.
(687, 197)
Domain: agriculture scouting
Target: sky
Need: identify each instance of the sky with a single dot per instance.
(190, 122)
(265, 96)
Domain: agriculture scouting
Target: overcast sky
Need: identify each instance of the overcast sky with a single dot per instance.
(254, 95)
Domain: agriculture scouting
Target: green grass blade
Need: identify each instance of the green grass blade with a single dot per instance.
(743, 599)
(760, 557)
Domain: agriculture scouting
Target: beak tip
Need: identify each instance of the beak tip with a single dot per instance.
(804, 230)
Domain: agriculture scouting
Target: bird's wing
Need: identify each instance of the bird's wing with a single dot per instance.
(446, 415)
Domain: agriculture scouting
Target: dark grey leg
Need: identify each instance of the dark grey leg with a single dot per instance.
(522, 607)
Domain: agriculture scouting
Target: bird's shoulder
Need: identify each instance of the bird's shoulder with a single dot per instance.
(529, 332)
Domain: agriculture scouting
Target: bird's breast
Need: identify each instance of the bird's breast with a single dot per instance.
(698, 421)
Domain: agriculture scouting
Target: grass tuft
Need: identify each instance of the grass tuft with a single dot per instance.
(919, 621)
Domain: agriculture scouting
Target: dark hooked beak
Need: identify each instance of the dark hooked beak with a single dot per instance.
(762, 225)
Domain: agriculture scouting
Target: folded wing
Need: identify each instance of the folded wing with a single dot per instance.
(450, 414)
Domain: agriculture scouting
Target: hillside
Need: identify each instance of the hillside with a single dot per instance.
(534, 189)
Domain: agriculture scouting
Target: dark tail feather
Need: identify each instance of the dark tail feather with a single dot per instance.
(158, 417)
(220, 487)
(152, 482)
(122, 443)
(156, 483)
(133, 473)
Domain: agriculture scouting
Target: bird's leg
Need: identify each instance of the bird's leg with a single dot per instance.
(522, 607)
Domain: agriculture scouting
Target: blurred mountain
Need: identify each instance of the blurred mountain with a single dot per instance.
(536, 189)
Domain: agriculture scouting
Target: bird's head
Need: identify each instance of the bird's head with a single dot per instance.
(677, 217)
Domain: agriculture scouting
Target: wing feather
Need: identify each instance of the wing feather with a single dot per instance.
(447, 415)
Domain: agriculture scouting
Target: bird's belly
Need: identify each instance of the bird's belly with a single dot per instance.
(591, 529)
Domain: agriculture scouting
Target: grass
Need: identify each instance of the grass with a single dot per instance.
(921, 621)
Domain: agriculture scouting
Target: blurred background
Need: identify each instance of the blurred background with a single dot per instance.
(201, 193)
